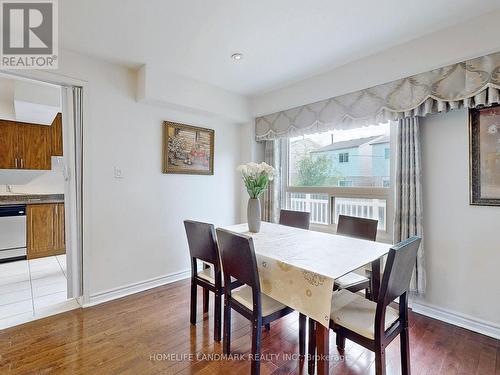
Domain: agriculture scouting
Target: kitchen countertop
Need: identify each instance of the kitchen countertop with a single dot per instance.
(8, 199)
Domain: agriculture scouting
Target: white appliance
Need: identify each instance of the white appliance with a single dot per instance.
(12, 232)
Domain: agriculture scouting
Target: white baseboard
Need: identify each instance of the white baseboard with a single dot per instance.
(461, 320)
(111, 294)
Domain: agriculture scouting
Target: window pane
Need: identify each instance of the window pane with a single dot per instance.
(344, 158)
(316, 204)
(361, 207)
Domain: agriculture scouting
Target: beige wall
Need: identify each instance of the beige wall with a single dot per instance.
(462, 242)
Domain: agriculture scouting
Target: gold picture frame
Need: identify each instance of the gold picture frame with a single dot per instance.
(484, 156)
(188, 149)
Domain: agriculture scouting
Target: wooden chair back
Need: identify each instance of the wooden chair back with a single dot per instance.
(398, 270)
(357, 227)
(238, 259)
(295, 219)
(202, 243)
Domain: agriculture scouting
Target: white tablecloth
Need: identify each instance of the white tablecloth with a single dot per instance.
(298, 267)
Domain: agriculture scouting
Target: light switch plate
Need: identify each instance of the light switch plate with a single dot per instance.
(118, 172)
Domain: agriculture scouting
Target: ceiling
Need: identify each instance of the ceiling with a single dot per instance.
(283, 41)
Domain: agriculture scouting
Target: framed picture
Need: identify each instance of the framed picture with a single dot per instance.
(187, 149)
(484, 156)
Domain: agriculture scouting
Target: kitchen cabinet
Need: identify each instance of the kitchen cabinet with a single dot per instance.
(8, 144)
(57, 136)
(45, 230)
(25, 146)
(34, 146)
(61, 238)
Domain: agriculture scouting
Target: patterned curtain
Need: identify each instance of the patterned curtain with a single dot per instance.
(467, 84)
(408, 216)
(272, 197)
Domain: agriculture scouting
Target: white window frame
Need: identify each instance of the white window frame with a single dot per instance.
(345, 192)
(346, 183)
(343, 157)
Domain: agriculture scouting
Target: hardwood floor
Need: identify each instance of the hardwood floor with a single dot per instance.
(150, 333)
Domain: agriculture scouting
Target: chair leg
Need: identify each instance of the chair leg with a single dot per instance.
(226, 345)
(256, 339)
(311, 350)
(193, 303)
(302, 334)
(405, 352)
(368, 294)
(380, 361)
(206, 294)
(267, 327)
(217, 316)
(340, 340)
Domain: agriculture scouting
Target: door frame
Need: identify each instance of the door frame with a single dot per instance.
(84, 237)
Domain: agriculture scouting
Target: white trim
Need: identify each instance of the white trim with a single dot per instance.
(111, 294)
(461, 320)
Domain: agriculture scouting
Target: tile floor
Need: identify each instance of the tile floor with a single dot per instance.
(28, 287)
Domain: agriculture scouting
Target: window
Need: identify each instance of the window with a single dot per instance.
(340, 172)
(345, 183)
(344, 157)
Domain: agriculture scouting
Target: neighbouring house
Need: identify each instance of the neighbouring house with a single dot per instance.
(358, 162)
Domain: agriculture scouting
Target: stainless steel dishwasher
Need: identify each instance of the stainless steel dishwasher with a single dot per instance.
(12, 232)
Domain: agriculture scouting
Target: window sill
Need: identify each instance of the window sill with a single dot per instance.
(382, 236)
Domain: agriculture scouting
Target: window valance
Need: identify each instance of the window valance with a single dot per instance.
(466, 84)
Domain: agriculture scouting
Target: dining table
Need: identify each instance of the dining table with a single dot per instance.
(298, 268)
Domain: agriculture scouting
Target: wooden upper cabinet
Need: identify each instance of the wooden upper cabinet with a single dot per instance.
(34, 147)
(25, 146)
(45, 230)
(57, 136)
(8, 145)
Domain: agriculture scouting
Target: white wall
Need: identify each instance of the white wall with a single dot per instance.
(250, 150)
(133, 226)
(28, 181)
(7, 99)
(156, 86)
(34, 182)
(461, 241)
(473, 38)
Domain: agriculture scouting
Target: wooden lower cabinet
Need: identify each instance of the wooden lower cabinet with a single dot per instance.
(45, 230)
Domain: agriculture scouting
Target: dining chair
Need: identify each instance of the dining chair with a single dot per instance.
(374, 325)
(203, 246)
(297, 219)
(239, 261)
(365, 229)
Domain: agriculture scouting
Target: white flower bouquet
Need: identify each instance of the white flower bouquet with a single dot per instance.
(256, 177)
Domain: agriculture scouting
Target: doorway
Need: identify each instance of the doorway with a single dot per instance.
(41, 268)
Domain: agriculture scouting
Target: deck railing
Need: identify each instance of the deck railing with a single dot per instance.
(318, 206)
